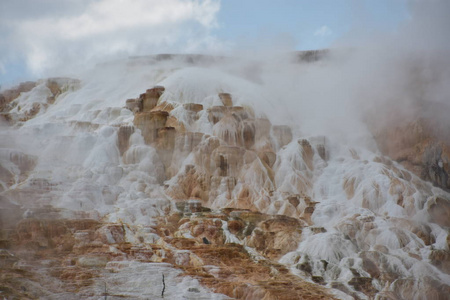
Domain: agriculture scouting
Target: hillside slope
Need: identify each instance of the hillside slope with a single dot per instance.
(222, 175)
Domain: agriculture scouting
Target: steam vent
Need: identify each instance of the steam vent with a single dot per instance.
(178, 177)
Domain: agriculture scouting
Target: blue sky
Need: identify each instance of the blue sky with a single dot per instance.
(302, 20)
(38, 37)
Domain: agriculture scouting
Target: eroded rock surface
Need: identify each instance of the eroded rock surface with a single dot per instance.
(419, 140)
(77, 254)
(19, 104)
(217, 197)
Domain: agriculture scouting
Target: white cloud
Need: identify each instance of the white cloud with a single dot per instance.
(323, 31)
(53, 33)
(110, 15)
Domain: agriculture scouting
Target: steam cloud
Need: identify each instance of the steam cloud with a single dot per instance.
(60, 36)
(363, 77)
(364, 72)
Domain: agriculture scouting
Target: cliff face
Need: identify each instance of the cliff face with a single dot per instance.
(109, 186)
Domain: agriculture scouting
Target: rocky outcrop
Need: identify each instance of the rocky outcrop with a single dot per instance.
(418, 139)
(217, 258)
(146, 101)
(439, 211)
(135, 105)
(277, 236)
(150, 123)
(124, 135)
(150, 98)
(219, 196)
(208, 245)
(241, 147)
(16, 104)
(226, 99)
(7, 96)
(57, 86)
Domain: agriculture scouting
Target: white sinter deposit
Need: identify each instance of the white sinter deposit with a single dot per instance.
(365, 216)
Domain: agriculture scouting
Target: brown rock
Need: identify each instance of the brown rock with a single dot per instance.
(41, 233)
(59, 85)
(165, 146)
(294, 200)
(7, 96)
(236, 226)
(417, 137)
(316, 230)
(349, 186)
(239, 113)
(216, 113)
(227, 130)
(283, 134)
(252, 217)
(173, 122)
(193, 107)
(422, 230)
(276, 236)
(54, 88)
(149, 123)
(124, 134)
(439, 211)
(191, 184)
(321, 147)
(163, 106)
(363, 284)
(441, 259)
(226, 99)
(228, 160)
(307, 153)
(405, 288)
(369, 263)
(151, 97)
(309, 210)
(247, 133)
(268, 157)
(135, 105)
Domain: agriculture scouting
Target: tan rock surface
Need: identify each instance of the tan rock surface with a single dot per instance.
(418, 138)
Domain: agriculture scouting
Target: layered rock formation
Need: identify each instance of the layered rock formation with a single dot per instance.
(101, 196)
(238, 167)
(80, 252)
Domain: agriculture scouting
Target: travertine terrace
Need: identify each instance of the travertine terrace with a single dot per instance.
(179, 166)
